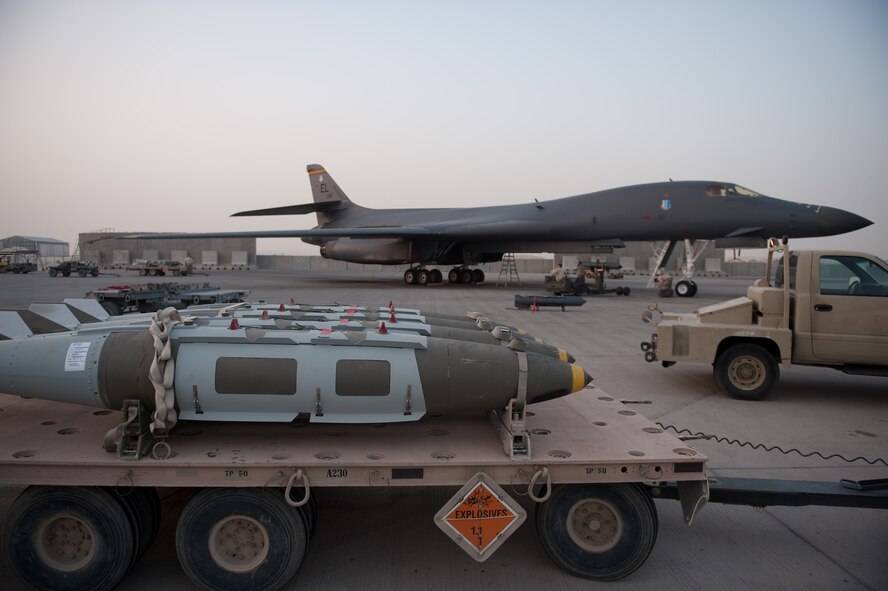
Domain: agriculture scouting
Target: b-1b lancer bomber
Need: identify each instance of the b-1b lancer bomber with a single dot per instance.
(674, 212)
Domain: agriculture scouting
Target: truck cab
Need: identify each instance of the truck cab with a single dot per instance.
(825, 308)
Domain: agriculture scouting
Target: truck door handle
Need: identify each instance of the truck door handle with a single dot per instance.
(823, 307)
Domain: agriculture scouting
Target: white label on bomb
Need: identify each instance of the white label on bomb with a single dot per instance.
(75, 360)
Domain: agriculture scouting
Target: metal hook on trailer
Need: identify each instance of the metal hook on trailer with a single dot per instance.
(128, 484)
(542, 472)
(302, 475)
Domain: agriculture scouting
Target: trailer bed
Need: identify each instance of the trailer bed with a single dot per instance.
(586, 437)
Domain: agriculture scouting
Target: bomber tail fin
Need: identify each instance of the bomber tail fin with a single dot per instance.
(327, 195)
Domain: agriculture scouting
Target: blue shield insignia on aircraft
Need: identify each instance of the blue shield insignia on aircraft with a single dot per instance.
(666, 204)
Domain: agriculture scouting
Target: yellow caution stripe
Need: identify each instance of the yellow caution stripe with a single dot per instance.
(314, 172)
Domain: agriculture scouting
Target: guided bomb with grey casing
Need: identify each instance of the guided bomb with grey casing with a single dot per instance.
(276, 375)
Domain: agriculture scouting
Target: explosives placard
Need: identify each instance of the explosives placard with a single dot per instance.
(480, 517)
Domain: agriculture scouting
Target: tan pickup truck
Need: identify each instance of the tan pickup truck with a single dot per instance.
(825, 308)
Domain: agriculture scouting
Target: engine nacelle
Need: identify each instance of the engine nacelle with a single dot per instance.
(380, 251)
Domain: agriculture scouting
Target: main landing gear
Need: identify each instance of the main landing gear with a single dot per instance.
(465, 275)
(416, 276)
(420, 276)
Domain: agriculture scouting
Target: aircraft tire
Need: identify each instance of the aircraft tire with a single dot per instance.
(598, 531)
(239, 539)
(693, 289)
(422, 277)
(453, 276)
(746, 371)
(437, 276)
(68, 537)
(477, 275)
(410, 276)
(683, 289)
(466, 276)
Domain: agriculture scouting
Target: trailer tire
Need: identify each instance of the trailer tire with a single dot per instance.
(68, 537)
(598, 531)
(142, 507)
(746, 371)
(94, 272)
(273, 539)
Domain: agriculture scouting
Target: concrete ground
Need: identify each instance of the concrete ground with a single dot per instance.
(368, 540)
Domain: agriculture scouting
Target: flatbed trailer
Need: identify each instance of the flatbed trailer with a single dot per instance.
(152, 297)
(585, 458)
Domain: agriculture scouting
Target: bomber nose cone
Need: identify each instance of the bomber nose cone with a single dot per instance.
(833, 220)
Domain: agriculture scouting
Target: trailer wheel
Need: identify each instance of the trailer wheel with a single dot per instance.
(68, 537)
(602, 532)
(240, 539)
(746, 371)
(142, 506)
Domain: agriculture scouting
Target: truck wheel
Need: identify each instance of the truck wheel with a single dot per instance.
(746, 371)
(68, 537)
(598, 531)
(240, 539)
(94, 272)
(53, 272)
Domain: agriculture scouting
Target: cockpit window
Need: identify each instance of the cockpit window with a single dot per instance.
(741, 191)
(719, 190)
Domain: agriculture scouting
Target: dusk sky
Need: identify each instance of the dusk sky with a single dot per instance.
(171, 115)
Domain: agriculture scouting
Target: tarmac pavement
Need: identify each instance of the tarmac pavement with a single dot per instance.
(371, 540)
